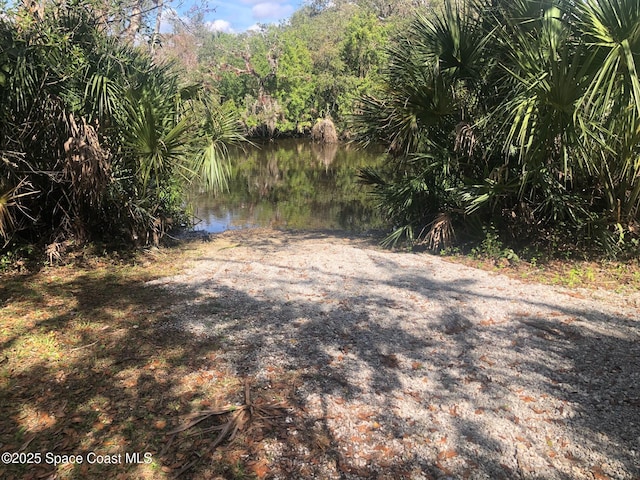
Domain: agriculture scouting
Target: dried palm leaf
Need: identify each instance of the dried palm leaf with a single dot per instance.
(441, 233)
(239, 417)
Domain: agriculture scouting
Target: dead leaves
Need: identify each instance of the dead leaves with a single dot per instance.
(443, 457)
(485, 359)
(598, 473)
(259, 468)
(447, 454)
(160, 424)
(488, 322)
(235, 418)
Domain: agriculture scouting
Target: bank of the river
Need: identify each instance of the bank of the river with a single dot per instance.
(390, 365)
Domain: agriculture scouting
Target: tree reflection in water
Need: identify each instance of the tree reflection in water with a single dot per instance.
(292, 184)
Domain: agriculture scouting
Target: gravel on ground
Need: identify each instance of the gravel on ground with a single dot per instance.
(405, 365)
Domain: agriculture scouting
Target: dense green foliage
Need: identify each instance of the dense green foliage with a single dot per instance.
(282, 78)
(514, 119)
(96, 138)
(519, 115)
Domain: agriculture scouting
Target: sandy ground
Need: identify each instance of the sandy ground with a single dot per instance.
(408, 366)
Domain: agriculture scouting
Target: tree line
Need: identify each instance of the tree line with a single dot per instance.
(514, 120)
(517, 120)
(282, 78)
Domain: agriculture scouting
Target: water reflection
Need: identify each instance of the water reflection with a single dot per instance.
(292, 184)
(325, 153)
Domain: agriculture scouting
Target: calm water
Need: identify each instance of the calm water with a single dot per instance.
(292, 184)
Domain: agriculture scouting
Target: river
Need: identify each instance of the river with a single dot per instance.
(292, 184)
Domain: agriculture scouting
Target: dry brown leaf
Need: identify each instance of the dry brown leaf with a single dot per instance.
(484, 359)
(444, 469)
(447, 454)
(260, 468)
(598, 474)
(576, 295)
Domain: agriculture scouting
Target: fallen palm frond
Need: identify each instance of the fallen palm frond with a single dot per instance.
(239, 417)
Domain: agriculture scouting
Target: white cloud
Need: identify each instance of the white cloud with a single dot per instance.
(271, 10)
(220, 26)
(170, 17)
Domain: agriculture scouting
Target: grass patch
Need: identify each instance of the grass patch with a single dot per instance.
(567, 267)
(84, 370)
(616, 276)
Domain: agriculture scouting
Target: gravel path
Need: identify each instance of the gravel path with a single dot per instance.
(408, 366)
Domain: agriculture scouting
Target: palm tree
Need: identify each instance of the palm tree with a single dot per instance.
(530, 110)
(96, 138)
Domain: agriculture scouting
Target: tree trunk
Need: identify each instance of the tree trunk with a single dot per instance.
(134, 23)
(156, 30)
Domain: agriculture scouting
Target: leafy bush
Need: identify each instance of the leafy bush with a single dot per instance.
(96, 138)
(530, 113)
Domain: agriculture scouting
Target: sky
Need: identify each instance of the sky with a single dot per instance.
(241, 15)
(231, 16)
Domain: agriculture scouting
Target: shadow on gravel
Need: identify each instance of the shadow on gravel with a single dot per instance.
(552, 389)
(457, 394)
(586, 360)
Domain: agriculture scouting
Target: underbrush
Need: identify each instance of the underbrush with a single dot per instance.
(551, 263)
